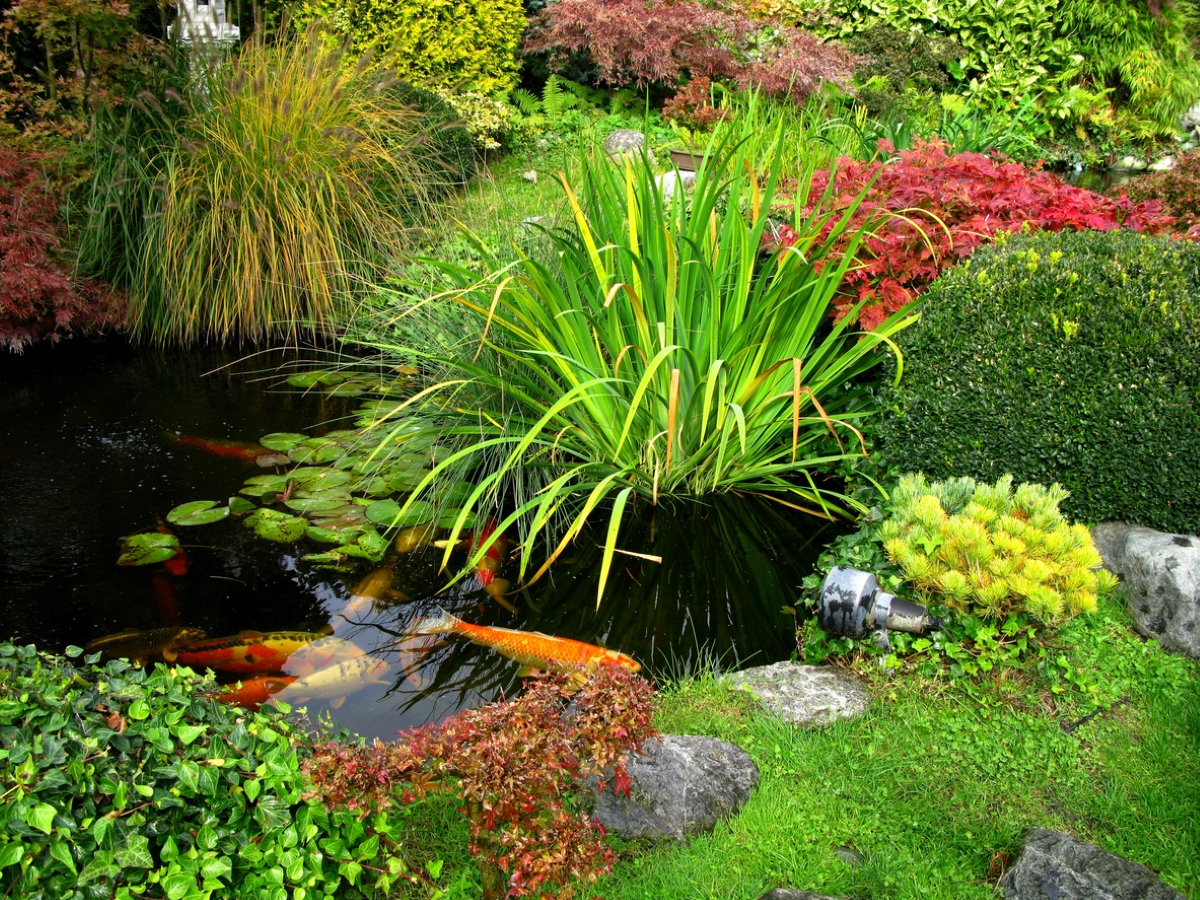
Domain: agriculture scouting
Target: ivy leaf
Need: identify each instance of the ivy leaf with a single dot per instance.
(11, 854)
(60, 851)
(135, 854)
(41, 817)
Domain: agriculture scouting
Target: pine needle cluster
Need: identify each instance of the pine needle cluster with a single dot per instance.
(989, 550)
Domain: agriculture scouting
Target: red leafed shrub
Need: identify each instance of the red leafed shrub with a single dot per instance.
(513, 763)
(1178, 189)
(692, 105)
(639, 42)
(928, 209)
(38, 296)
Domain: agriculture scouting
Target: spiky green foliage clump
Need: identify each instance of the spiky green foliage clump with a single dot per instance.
(657, 351)
(989, 550)
(289, 181)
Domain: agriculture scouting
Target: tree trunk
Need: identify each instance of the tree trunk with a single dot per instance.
(495, 885)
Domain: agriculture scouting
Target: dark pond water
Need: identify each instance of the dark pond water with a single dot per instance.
(87, 457)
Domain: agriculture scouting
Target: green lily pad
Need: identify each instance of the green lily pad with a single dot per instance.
(372, 541)
(456, 492)
(344, 535)
(240, 505)
(387, 513)
(329, 559)
(198, 512)
(305, 379)
(277, 526)
(318, 502)
(320, 478)
(449, 517)
(283, 441)
(147, 548)
(347, 462)
(370, 487)
(261, 485)
(343, 434)
(346, 389)
(324, 453)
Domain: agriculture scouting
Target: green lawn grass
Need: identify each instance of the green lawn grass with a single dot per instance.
(928, 792)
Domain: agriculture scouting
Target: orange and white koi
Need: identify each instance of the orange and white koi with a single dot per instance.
(334, 683)
(254, 692)
(376, 588)
(247, 653)
(222, 447)
(530, 648)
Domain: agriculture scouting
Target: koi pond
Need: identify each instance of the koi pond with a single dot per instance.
(100, 441)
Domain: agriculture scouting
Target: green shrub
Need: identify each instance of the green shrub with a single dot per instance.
(985, 550)
(447, 149)
(450, 44)
(119, 781)
(1070, 358)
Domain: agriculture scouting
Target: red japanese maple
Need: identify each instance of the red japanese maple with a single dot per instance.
(928, 208)
(38, 295)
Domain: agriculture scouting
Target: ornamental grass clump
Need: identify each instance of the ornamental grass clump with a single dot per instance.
(991, 551)
(657, 352)
(290, 181)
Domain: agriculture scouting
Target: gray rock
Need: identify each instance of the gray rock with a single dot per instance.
(682, 785)
(669, 182)
(1167, 162)
(1056, 866)
(1191, 119)
(625, 140)
(804, 695)
(782, 893)
(1162, 581)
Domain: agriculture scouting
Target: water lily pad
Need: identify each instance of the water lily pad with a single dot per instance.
(449, 517)
(329, 559)
(261, 485)
(240, 505)
(283, 441)
(277, 526)
(147, 548)
(327, 480)
(456, 492)
(323, 453)
(267, 460)
(198, 512)
(344, 535)
(372, 541)
(387, 513)
(347, 462)
(305, 379)
(346, 389)
(370, 487)
(311, 505)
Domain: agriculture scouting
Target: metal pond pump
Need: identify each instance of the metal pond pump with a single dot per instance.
(851, 604)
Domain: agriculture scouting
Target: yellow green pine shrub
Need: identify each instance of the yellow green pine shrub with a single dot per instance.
(452, 45)
(987, 550)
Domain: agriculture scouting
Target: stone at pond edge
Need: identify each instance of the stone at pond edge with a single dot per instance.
(623, 141)
(1056, 866)
(1161, 573)
(681, 786)
(792, 894)
(804, 695)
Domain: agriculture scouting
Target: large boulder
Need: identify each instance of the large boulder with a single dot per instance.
(804, 695)
(625, 141)
(682, 785)
(1162, 581)
(1057, 866)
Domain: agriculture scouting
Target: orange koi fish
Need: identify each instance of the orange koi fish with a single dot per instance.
(248, 652)
(177, 565)
(254, 692)
(232, 449)
(490, 563)
(530, 648)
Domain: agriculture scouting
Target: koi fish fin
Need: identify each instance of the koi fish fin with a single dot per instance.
(249, 632)
(336, 702)
(442, 623)
(170, 655)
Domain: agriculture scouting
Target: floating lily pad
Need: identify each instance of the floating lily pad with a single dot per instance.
(346, 389)
(147, 548)
(387, 513)
(330, 559)
(283, 441)
(277, 526)
(449, 517)
(370, 487)
(456, 492)
(347, 462)
(319, 502)
(198, 512)
(372, 541)
(305, 379)
(267, 460)
(324, 453)
(240, 505)
(320, 478)
(343, 535)
(261, 485)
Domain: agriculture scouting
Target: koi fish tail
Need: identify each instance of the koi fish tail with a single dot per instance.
(442, 623)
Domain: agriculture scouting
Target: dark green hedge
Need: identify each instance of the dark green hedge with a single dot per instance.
(1071, 357)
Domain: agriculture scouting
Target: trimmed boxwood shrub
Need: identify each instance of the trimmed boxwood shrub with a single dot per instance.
(1070, 357)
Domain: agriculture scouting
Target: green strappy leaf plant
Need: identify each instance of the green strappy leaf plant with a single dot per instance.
(659, 351)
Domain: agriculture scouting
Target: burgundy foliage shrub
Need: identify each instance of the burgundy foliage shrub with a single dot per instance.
(928, 209)
(38, 296)
(639, 42)
(692, 105)
(513, 763)
(1178, 189)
